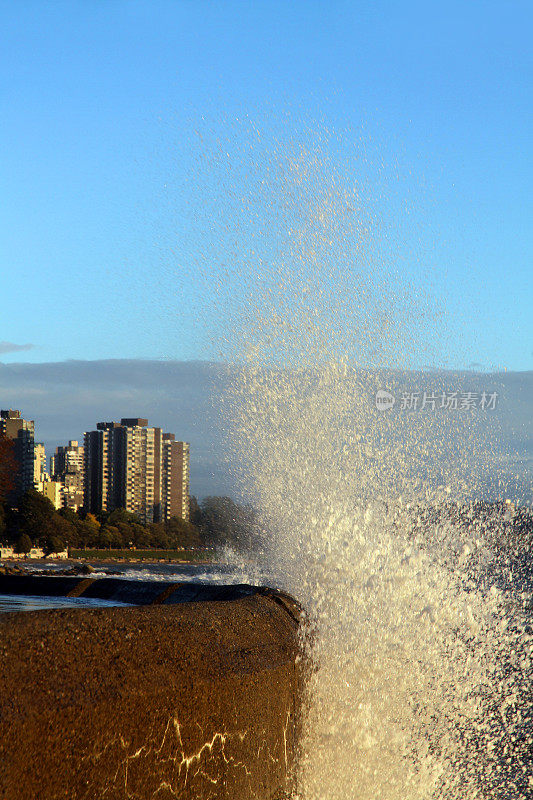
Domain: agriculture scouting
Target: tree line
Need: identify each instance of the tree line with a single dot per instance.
(216, 522)
(31, 520)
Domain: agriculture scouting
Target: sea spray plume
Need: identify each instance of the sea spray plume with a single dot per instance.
(420, 671)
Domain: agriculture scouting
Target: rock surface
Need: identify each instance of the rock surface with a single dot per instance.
(185, 700)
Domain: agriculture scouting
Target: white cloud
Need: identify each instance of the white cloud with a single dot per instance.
(11, 347)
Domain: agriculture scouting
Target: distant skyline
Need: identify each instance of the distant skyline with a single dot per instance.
(67, 398)
(103, 109)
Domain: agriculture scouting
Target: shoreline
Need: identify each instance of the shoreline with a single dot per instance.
(111, 559)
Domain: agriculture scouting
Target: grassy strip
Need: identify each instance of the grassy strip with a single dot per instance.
(191, 556)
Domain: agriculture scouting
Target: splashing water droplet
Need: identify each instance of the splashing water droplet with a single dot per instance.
(421, 673)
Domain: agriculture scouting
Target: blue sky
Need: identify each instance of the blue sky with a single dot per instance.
(102, 106)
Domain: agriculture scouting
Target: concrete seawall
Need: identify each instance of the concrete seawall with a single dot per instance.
(193, 694)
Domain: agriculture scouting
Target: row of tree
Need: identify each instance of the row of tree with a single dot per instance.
(216, 522)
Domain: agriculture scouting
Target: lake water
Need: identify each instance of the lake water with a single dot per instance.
(11, 602)
(200, 573)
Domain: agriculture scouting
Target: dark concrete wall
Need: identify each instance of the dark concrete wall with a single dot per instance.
(191, 700)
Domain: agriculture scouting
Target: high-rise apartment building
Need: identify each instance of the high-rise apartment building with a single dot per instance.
(39, 464)
(22, 433)
(69, 457)
(142, 462)
(174, 478)
(133, 466)
(67, 466)
(51, 489)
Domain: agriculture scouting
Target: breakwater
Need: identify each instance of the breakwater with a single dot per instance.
(194, 692)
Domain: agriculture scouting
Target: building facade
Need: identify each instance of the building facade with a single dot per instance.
(22, 433)
(174, 478)
(68, 458)
(39, 464)
(133, 466)
(67, 466)
(53, 490)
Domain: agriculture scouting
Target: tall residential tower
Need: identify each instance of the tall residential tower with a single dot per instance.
(22, 433)
(67, 466)
(133, 466)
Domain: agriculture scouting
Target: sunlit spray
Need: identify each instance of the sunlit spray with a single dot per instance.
(420, 669)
